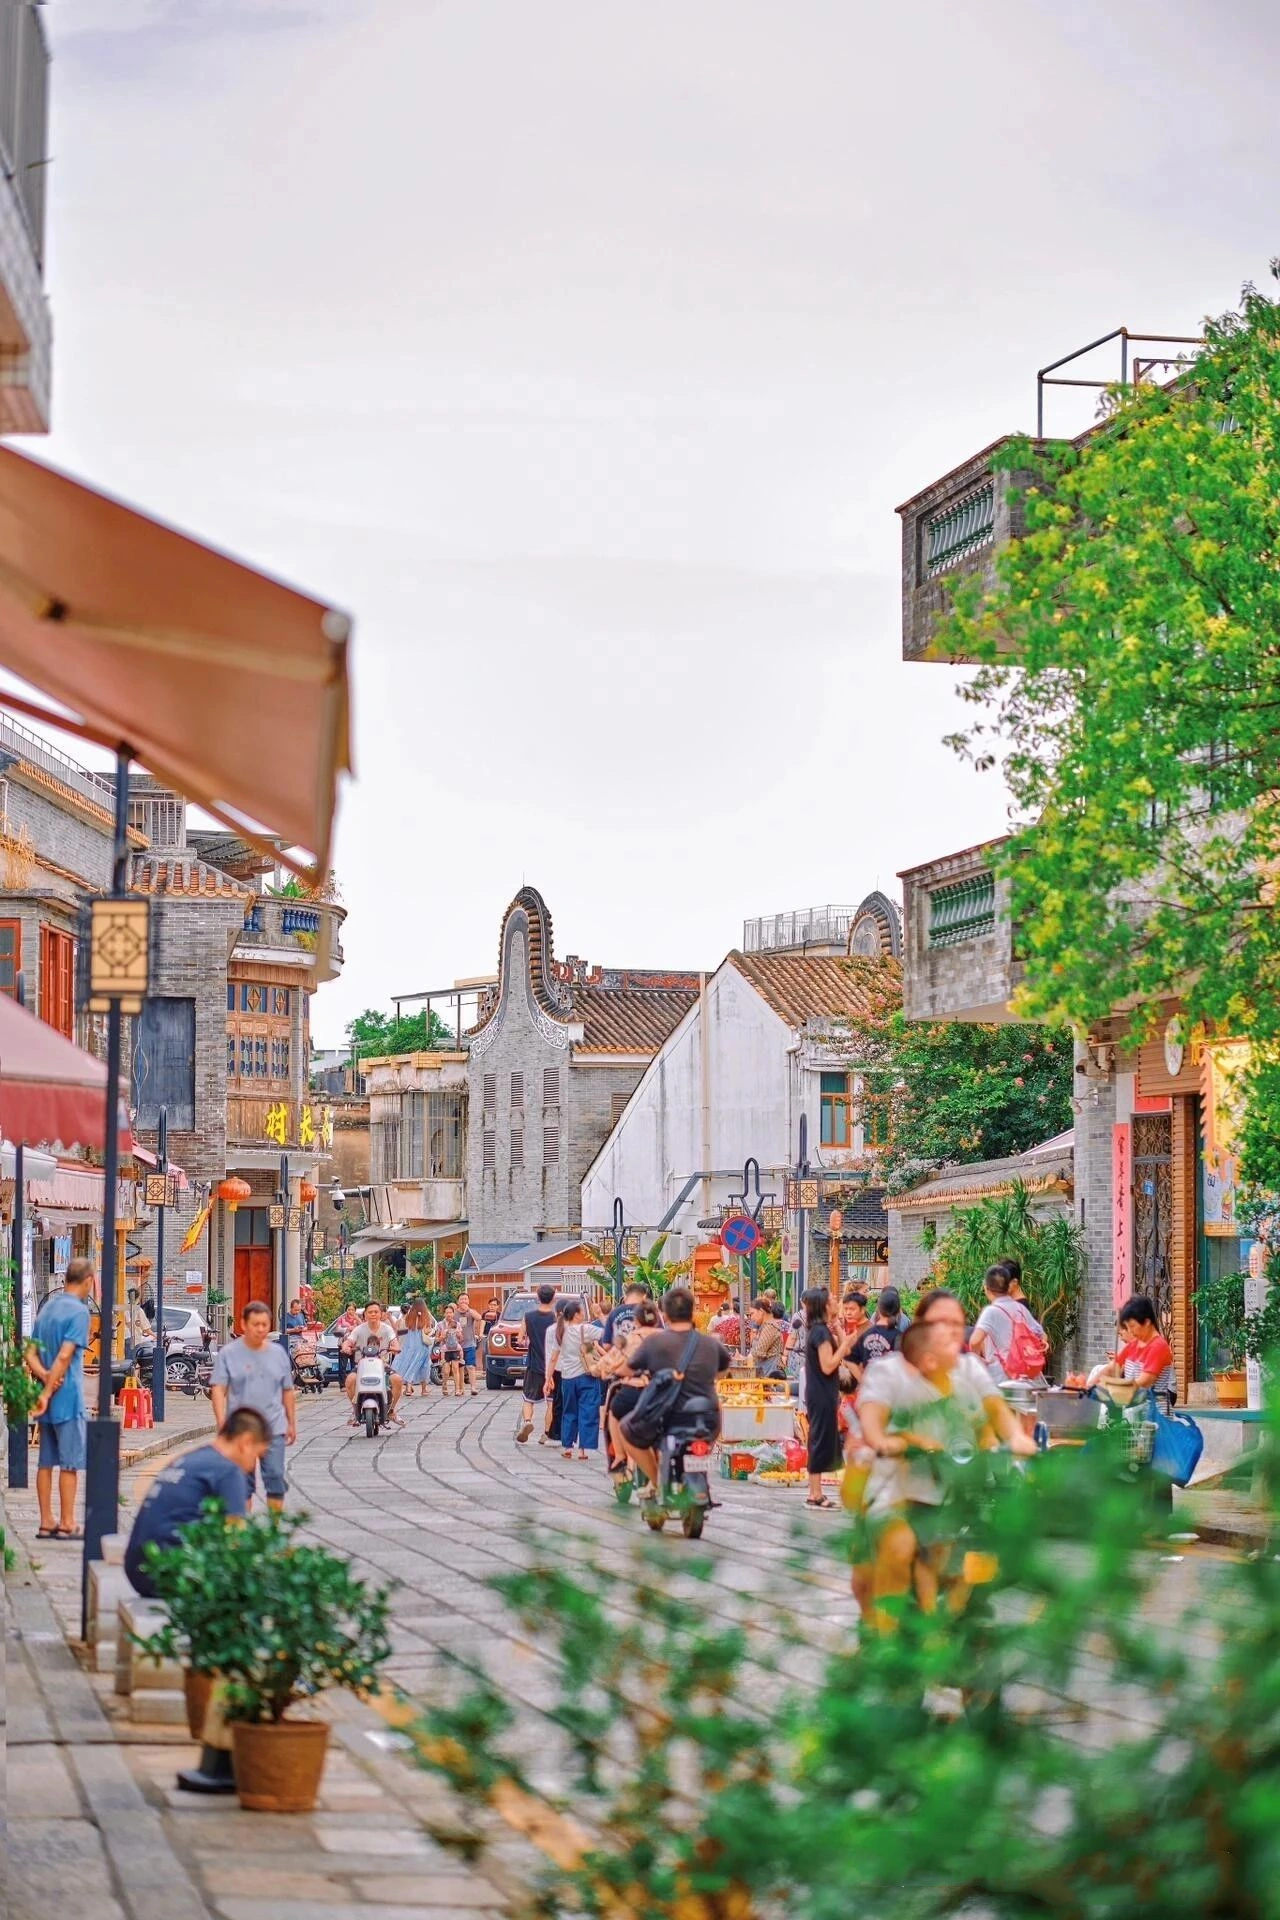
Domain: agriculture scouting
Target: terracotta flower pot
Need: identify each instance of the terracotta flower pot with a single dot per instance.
(197, 1687)
(278, 1768)
(1233, 1388)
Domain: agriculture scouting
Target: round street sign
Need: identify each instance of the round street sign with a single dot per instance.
(740, 1234)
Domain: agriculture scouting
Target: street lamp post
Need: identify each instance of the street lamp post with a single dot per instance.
(18, 1467)
(158, 1360)
(118, 968)
(750, 1186)
(619, 1233)
(282, 1332)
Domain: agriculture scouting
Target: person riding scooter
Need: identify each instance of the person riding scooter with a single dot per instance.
(376, 1327)
(698, 1358)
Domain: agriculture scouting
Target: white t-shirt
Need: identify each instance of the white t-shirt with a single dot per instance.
(362, 1333)
(957, 1419)
(570, 1361)
(997, 1321)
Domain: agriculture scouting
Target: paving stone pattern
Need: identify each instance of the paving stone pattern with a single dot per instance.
(440, 1508)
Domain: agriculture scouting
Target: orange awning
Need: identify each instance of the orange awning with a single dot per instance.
(227, 686)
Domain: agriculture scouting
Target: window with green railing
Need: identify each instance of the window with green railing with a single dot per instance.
(954, 532)
(964, 910)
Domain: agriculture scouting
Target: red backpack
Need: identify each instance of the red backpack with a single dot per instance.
(1028, 1351)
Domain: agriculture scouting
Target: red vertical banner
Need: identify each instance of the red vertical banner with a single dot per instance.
(1121, 1213)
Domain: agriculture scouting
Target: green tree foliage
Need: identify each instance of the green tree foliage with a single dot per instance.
(1131, 691)
(958, 1091)
(1051, 1251)
(372, 1034)
(719, 1760)
(19, 1389)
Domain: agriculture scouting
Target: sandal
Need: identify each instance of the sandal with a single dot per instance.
(67, 1533)
(822, 1502)
(47, 1533)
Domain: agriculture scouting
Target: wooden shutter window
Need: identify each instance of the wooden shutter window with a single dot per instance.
(490, 1150)
(551, 1086)
(10, 956)
(491, 1093)
(617, 1106)
(57, 999)
(517, 1146)
(550, 1146)
(517, 1090)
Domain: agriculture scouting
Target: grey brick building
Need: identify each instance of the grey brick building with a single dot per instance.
(558, 1050)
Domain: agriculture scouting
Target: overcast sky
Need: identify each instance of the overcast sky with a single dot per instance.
(583, 350)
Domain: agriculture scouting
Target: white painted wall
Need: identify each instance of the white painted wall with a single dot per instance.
(760, 1076)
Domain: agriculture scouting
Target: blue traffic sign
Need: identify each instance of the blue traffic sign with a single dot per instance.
(740, 1234)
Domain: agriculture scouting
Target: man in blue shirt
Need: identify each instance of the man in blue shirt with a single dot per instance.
(56, 1357)
(221, 1471)
(621, 1320)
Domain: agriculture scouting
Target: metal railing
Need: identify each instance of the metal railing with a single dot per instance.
(23, 744)
(956, 531)
(24, 111)
(964, 910)
(805, 927)
(299, 920)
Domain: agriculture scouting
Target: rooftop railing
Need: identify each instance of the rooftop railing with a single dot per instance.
(21, 743)
(805, 927)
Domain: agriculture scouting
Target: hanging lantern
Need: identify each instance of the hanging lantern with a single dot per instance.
(308, 1193)
(234, 1192)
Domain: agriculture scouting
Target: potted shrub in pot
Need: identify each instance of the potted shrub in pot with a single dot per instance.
(292, 1621)
(1220, 1305)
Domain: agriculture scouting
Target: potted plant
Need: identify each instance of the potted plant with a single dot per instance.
(1220, 1305)
(277, 1621)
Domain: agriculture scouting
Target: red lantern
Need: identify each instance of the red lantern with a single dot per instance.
(234, 1192)
(308, 1193)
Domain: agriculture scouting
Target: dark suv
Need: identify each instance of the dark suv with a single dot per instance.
(508, 1348)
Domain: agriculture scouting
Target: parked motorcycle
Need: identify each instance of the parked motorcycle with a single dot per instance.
(684, 1471)
(373, 1390)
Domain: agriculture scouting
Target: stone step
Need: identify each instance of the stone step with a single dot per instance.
(108, 1586)
(158, 1707)
(104, 1656)
(113, 1546)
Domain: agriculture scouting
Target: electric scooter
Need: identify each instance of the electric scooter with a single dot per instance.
(373, 1390)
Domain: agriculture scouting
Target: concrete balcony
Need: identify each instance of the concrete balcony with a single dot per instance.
(951, 531)
(959, 962)
(25, 332)
(421, 1202)
(290, 932)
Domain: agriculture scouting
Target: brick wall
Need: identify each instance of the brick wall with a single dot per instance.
(68, 839)
(591, 1109)
(506, 1202)
(1094, 1127)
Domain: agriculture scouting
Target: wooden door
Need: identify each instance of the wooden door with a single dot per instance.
(254, 1278)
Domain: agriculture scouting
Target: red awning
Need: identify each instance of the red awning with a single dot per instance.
(146, 1159)
(229, 687)
(51, 1093)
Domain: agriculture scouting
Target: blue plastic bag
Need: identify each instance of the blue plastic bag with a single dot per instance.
(1178, 1444)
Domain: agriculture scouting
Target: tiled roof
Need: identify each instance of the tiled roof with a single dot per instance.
(801, 987)
(629, 1019)
(1045, 1169)
(184, 873)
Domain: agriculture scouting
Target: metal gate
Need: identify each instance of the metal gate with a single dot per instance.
(1153, 1212)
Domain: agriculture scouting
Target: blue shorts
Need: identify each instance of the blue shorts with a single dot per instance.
(62, 1444)
(273, 1474)
(468, 1356)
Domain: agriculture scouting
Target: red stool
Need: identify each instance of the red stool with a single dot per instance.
(135, 1403)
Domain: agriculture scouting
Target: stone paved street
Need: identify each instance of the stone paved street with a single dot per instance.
(439, 1508)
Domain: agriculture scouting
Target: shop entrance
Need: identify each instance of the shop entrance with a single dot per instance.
(254, 1277)
(1153, 1212)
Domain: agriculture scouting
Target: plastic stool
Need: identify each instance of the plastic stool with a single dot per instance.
(135, 1403)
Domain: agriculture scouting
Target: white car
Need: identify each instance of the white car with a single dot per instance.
(186, 1331)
